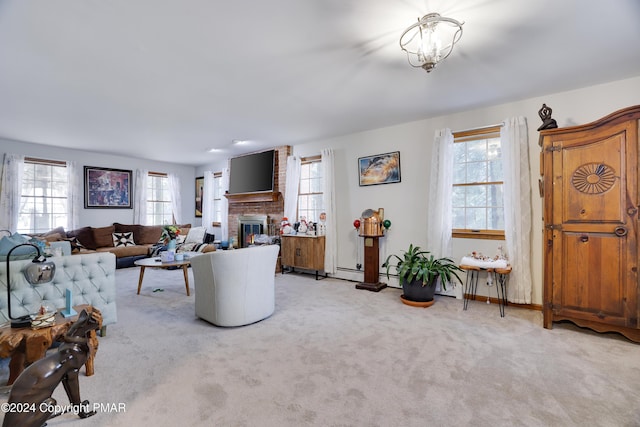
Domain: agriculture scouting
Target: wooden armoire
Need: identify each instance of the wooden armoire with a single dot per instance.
(590, 189)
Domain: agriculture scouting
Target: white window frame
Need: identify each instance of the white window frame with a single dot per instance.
(218, 194)
(491, 133)
(310, 189)
(162, 204)
(38, 188)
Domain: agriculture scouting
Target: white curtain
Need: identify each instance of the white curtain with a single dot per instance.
(11, 191)
(329, 202)
(292, 186)
(140, 197)
(439, 201)
(74, 195)
(439, 220)
(224, 205)
(176, 198)
(208, 213)
(517, 207)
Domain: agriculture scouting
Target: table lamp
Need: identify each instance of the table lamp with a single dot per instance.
(39, 271)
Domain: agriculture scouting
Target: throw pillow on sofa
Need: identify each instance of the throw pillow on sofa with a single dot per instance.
(149, 234)
(76, 246)
(136, 229)
(103, 236)
(8, 242)
(196, 235)
(84, 236)
(123, 239)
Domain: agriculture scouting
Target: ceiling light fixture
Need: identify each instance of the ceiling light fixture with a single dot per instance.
(423, 41)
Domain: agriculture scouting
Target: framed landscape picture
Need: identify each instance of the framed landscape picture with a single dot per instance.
(199, 194)
(107, 188)
(379, 169)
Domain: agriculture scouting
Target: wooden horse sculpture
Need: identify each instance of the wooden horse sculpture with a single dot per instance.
(35, 385)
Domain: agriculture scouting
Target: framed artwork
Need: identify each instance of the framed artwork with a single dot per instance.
(199, 194)
(379, 169)
(107, 188)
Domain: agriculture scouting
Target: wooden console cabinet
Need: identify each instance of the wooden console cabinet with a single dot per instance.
(304, 252)
(590, 186)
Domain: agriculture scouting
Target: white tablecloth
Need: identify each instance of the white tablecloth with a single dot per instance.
(498, 263)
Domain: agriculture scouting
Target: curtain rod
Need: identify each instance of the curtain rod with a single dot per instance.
(479, 128)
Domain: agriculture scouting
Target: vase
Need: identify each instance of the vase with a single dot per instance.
(415, 291)
(171, 246)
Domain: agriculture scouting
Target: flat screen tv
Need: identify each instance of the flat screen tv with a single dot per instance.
(252, 173)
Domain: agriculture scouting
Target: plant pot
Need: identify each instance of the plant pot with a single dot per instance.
(414, 291)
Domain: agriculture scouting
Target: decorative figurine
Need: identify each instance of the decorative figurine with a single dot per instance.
(545, 116)
(322, 226)
(36, 384)
(302, 228)
(285, 227)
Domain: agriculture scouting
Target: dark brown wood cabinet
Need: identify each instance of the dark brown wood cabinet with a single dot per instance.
(590, 189)
(304, 252)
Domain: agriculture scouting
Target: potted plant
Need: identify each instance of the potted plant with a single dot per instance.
(418, 272)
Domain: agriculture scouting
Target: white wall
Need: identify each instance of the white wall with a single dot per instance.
(103, 217)
(216, 166)
(406, 204)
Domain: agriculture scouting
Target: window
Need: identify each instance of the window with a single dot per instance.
(478, 208)
(43, 202)
(217, 199)
(159, 210)
(310, 194)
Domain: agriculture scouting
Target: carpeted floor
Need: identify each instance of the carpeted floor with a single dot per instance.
(332, 355)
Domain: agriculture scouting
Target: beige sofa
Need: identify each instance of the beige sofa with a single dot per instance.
(100, 239)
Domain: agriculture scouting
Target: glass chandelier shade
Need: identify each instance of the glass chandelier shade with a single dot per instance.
(430, 40)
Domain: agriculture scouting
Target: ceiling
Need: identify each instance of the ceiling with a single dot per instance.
(168, 80)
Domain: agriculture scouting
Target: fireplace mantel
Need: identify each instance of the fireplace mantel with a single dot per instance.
(263, 196)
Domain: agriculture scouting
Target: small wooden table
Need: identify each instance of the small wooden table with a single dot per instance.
(157, 263)
(25, 345)
(471, 284)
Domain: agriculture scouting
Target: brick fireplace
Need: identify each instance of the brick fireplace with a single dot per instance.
(250, 226)
(268, 205)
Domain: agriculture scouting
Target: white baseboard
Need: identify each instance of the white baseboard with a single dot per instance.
(354, 275)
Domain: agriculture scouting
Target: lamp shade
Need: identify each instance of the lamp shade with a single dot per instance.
(39, 272)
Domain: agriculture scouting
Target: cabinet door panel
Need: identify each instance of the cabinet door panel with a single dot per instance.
(304, 252)
(597, 291)
(288, 251)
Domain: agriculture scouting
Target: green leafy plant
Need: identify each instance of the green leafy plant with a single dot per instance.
(416, 264)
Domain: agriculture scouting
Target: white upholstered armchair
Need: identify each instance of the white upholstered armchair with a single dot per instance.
(235, 287)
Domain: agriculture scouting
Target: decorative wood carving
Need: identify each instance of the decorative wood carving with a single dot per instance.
(593, 178)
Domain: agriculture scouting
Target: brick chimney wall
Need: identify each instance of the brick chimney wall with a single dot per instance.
(274, 210)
